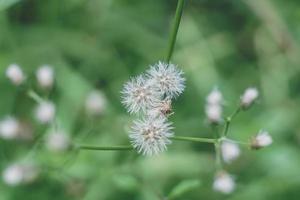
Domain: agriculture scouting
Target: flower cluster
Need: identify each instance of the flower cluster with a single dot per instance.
(150, 95)
(213, 107)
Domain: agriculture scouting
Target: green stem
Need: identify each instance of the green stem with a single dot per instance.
(105, 148)
(218, 155)
(35, 96)
(194, 139)
(229, 119)
(174, 32)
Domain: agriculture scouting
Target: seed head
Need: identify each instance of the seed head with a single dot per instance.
(151, 135)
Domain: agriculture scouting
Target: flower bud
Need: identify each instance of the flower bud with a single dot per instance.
(95, 103)
(224, 183)
(248, 98)
(17, 174)
(15, 74)
(45, 112)
(230, 151)
(213, 113)
(214, 97)
(58, 141)
(45, 76)
(9, 128)
(262, 139)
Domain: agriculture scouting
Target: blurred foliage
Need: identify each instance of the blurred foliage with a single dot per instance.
(100, 44)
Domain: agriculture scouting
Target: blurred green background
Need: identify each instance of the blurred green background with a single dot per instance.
(101, 43)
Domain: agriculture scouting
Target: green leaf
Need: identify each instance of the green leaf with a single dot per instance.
(184, 187)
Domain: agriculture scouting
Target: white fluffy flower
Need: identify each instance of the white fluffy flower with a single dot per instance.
(230, 151)
(215, 97)
(151, 135)
(249, 96)
(261, 140)
(167, 78)
(58, 141)
(45, 112)
(224, 183)
(17, 174)
(138, 95)
(9, 128)
(45, 76)
(161, 108)
(95, 103)
(213, 113)
(15, 74)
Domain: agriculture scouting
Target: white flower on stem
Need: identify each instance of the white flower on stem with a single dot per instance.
(45, 112)
(9, 128)
(17, 174)
(262, 139)
(95, 103)
(15, 74)
(215, 97)
(58, 141)
(167, 78)
(230, 151)
(213, 113)
(224, 183)
(138, 95)
(151, 135)
(45, 76)
(249, 97)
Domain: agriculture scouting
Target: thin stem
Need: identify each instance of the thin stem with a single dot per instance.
(237, 142)
(229, 119)
(35, 96)
(218, 155)
(174, 32)
(104, 148)
(194, 139)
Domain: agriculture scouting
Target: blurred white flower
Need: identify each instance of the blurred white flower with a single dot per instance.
(224, 183)
(45, 112)
(167, 78)
(138, 95)
(95, 103)
(45, 76)
(151, 135)
(230, 151)
(15, 74)
(17, 174)
(215, 97)
(9, 128)
(249, 96)
(58, 141)
(261, 140)
(213, 113)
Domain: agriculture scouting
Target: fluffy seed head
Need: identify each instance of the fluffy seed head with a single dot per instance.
(45, 76)
(15, 74)
(224, 183)
(213, 113)
(151, 135)
(162, 108)
(230, 151)
(45, 112)
(261, 140)
(138, 95)
(167, 78)
(9, 128)
(95, 103)
(17, 174)
(215, 97)
(249, 96)
(58, 141)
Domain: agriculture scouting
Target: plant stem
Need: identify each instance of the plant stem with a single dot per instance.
(175, 27)
(218, 155)
(105, 148)
(35, 96)
(194, 139)
(229, 119)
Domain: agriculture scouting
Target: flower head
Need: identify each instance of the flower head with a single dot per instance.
(45, 76)
(151, 135)
(167, 78)
(215, 97)
(261, 140)
(9, 128)
(249, 96)
(230, 151)
(58, 141)
(17, 174)
(45, 112)
(95, 103)
(224, 183)
(161, 108)
(213, 113)
(138, 95)
(15, 74)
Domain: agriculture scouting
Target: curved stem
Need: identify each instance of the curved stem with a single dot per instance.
(194, 139)
(229, 119)
(176, 24)
(105, 148)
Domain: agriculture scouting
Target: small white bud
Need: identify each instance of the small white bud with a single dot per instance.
(9, 128)
(45, 76)
(230, 151)
(95, 103)
(45, 112)
(224, 183)
(261, 140)
(213, 113)
(249, 96)
(214, 97)
(17, 174)
(15, 74)
(58, 141)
